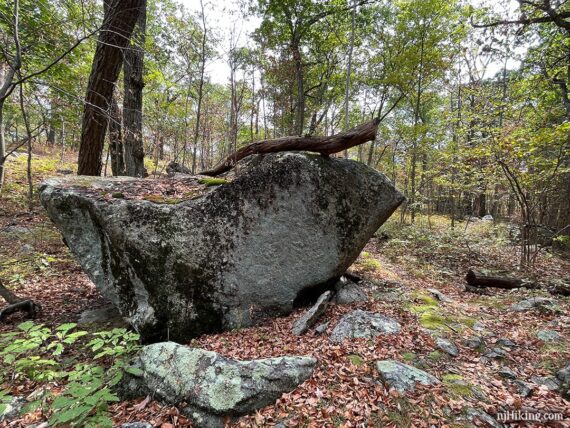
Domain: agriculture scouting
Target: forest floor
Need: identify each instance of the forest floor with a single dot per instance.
(344, 390)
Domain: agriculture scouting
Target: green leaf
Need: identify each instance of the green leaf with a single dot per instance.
(135, 371)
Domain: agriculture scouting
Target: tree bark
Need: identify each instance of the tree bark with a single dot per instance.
(133, 63)
(323, 145)
(116, 140)
(118, 24)
(16, 304)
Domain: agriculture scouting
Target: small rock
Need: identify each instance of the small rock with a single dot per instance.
(136, 425)
(211, 385)
(362, 324)
(524, 389)
(487, 217)
(506, 373)
(403, 377)
(550, 382)
(13, 409)
(478, 414)
(494, 354)
(505, 343)
(26, 249)
(321, 328)
(478, 326)
(350, 292)
(563, 376)
(549, 336)
(439, 295)
(531, 303)
(474, 342)
(309, 318)
(447, 346)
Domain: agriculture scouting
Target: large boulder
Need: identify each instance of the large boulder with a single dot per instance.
(211, 386)
(183, 257)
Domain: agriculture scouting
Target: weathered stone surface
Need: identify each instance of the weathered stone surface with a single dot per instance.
(506, 373)
(474, 342)
(105, 316)
(524, 389)
(563, 376)
(504, 342)
(447, 346)
(223, 256)
(403, 377)
(348, 292)
(549, 336)
(550, 382)
(321, 328)
(531, 303)
(362, 324)
(213, 386)
(310, 317)
(136, 425)
(480, 415)
(439, 295)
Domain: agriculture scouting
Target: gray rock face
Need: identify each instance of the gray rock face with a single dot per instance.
(447, 346)
(479, 415)
(403, 377)
(439, 295)
(136, 425)
(223, 256)
(310, 317)
(524, 389)
(362, 324)
(213, 386)
(506, 373)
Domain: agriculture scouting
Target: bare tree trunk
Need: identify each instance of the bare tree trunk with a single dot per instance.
(2, 145)
(116, 140)
(118, 25)
(133, 64)
(29, 149)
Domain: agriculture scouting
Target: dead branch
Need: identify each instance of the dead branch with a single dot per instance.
(323, 145)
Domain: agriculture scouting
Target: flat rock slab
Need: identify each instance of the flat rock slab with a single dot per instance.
(531, 303)
(549, 336)
(403, 377)
(360, 324)
(213, 386)
(310, 317)
(184, 257)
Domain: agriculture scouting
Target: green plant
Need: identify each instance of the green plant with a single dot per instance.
(39, 353)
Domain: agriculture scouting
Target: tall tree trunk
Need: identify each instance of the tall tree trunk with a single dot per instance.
(300, 102)
(347, 86)
(118, 24)
(2, 145)
(133, 63)
(200, 88)
(116, 140)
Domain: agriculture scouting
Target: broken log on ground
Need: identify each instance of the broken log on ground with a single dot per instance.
(323, 145)
(16, 304)
(483, 278)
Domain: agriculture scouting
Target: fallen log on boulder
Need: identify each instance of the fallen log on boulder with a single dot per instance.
(199, 256)
(484, 278)
(323, 145)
